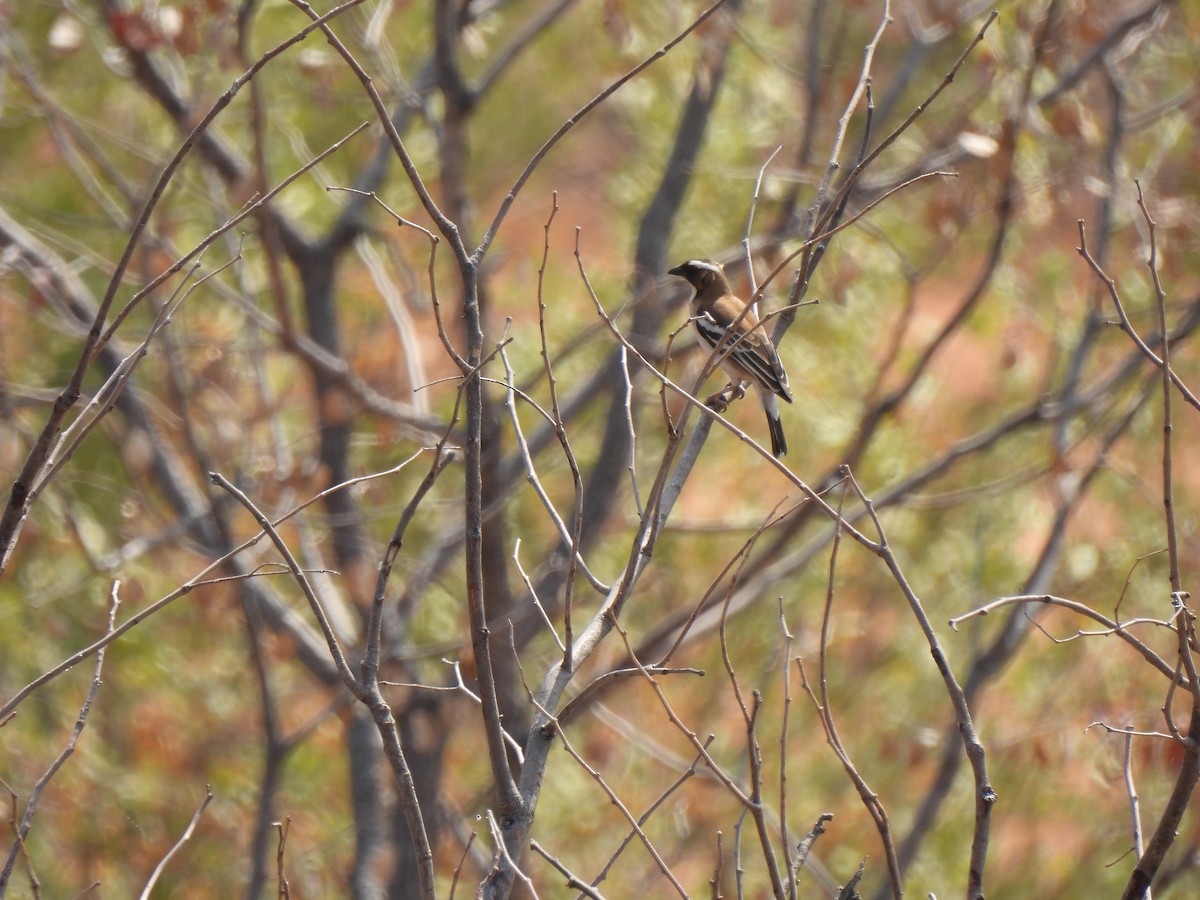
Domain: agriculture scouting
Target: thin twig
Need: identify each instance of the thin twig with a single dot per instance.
(492, 229)
(870, 799)
(762, 171)
(310, 594)
(569, 536)
(178, 845)
(22, 496)
(1111, 626)
(615, 801)
(282, 828)
(650, 810)
(1126, 325)
(804, 848)
(458, 868)
(573, 880)
(1186, 779)
(1135, 812)
(984, 794)
(21, 832)
(574, 561)
(789, 858)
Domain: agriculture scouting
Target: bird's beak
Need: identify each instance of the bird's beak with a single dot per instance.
(678, 270)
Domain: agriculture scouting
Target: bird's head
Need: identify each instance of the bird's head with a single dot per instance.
(701, 274)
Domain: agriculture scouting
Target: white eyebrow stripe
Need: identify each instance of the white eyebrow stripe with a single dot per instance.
(704, 264)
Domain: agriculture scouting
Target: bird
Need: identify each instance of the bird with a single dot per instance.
(748, 354)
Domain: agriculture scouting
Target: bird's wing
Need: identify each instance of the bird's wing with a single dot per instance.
(753, 351)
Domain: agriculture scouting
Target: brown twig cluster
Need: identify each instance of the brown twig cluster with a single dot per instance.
(544, 586)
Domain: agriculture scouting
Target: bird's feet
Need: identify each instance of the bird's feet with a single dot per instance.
(719, 402)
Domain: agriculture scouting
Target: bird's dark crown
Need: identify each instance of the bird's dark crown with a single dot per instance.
(700, 273)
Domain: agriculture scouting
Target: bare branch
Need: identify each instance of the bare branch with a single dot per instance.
(178, 845)
(21, 831)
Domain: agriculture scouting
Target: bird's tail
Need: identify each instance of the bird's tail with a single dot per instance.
(771, 408)
(778, 442)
